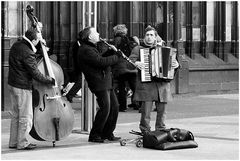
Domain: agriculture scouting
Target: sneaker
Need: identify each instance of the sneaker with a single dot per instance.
(29, 147)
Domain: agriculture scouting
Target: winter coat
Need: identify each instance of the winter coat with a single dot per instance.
(23, 66)
(149, 91)
(96, 67)
(123, 43)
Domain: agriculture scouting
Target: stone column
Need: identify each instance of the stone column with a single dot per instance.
(189, 28)
(182, 76)
(235, 30)
(203, 22)
(165, 21)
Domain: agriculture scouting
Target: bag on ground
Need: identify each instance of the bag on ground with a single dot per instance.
(167, 139)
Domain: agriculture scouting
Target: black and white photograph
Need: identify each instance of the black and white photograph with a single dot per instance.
(119, 80)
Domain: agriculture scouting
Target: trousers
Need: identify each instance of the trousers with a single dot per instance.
(146, 109)
(106, 117)
(21, 117)
(129, 78)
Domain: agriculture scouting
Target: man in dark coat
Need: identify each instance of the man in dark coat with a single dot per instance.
(97, 71)
(123, 71)
(22, 70)
(154, 91)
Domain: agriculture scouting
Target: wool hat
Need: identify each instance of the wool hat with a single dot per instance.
(120, 29)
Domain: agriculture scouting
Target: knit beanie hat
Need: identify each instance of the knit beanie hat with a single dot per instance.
(120, 29)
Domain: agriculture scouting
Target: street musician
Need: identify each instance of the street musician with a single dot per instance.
(151, 91)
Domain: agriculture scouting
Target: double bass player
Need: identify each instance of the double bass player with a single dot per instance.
(22, 70)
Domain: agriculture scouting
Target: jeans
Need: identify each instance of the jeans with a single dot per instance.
(21, 117)
(106, 117)
(146, 109)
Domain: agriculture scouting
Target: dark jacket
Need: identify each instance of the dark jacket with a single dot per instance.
(95, 67)
(123, 43)
(23, 66)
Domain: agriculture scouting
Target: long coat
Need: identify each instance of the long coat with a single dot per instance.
(96, 67)
(149, 91)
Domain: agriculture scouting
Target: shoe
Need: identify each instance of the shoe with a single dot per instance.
(96, 140)
(113, 138)
(29, 147)
(12, 147)
(132, 105)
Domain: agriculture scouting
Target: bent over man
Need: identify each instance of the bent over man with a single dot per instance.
(96, 68)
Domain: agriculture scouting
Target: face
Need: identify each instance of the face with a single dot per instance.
(35, 42)
(94, 36)
(150, 37)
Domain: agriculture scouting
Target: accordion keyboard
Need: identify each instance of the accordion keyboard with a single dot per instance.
(145, 73)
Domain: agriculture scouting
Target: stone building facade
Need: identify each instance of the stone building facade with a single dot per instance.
(205, 34)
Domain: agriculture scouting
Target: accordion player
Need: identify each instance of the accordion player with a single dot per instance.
(158, 63)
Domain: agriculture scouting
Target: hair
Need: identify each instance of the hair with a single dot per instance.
(150, 28)
(120, 29)
(84, 34)
(31, 34)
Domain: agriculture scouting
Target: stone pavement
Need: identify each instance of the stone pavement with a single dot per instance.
(213, 119)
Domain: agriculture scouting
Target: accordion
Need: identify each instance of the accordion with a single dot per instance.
(158, 63)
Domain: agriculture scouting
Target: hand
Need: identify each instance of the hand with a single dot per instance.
(113, 47)
(47, 48)
(140, 65)
(43, 41)
(53, 81)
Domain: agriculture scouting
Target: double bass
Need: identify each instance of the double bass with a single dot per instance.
(53, 117)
